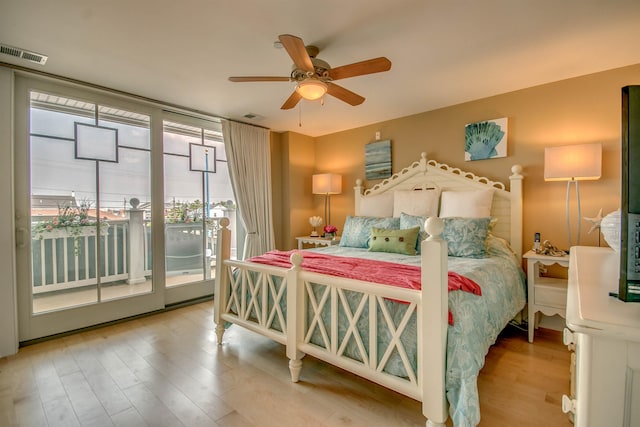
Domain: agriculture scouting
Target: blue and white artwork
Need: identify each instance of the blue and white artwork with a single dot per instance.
(378, 159)
(486, 140)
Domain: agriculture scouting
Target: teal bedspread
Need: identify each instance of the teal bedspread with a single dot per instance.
(477, 319)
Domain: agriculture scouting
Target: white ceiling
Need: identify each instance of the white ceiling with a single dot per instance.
(444, 52)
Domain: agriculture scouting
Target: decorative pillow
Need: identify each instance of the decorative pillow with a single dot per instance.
(396, 241)
(466, 237)
(416, 202)
(410, 221)
(357, 229)
(466, 204)
(378, 205)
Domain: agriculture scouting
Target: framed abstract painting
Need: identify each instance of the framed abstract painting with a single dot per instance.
(377, 157)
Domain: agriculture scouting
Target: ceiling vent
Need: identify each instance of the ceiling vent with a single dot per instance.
(23, 54)
(253, 116)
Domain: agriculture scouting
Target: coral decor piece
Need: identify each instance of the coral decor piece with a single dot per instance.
(595, 221)
(315, 221)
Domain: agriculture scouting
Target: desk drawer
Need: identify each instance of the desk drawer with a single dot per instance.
(551, 292)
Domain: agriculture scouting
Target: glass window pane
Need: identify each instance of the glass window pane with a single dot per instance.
(184, 232)
(54, 115)
(129, 135)
(177, 137)
(89, 243)
(125, 204)
(63, 227)
(197, 190)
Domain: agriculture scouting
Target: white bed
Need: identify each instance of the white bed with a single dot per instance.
(299, 308)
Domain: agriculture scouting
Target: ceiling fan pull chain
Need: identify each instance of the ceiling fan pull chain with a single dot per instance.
(300, 115)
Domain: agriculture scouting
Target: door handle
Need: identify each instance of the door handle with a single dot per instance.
(21, 242)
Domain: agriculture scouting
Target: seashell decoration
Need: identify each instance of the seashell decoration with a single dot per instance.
(315, 221)
(481, 140)
(610, 228)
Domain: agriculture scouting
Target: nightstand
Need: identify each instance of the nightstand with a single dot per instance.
(547, 295)
(316, 241)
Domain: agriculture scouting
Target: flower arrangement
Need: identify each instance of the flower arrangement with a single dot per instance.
(73, 219)
(330, 230)
(190, 212)
(185, 212)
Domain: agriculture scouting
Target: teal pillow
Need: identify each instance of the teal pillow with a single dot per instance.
(395, 241)
(410, 221)
(357, 229)
(466, 237)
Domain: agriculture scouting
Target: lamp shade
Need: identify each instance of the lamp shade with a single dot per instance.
(311, 89)
(327, 183)
(573, 162)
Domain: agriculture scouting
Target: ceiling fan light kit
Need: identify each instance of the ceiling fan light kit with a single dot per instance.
(315, 77)
(311, 89)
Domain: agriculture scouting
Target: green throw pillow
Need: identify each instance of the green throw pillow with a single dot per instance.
(396, 241)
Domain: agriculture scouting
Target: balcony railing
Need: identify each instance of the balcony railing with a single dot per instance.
(63, 260)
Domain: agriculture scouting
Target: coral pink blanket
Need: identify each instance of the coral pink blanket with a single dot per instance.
(388, 273)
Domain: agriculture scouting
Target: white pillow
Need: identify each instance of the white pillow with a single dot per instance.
(466, 204)
(416, 202)
(378, 205)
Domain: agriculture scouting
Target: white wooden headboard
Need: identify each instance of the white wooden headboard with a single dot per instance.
(506, 206)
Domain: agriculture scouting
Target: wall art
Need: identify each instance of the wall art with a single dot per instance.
(486, 140)
(378, 159)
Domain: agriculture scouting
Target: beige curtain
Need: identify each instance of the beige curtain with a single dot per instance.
(249, 160)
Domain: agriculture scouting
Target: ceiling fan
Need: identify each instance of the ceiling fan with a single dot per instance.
(314, 77)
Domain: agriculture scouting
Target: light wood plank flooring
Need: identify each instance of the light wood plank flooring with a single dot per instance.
(166, 370)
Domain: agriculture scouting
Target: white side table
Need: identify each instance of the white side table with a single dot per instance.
(544, 294)
(316, 241)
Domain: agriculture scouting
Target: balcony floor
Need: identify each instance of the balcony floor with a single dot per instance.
(52, 301)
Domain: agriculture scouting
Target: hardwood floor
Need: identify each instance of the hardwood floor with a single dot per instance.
(166, 370)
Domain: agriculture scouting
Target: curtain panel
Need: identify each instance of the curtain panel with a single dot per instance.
(249, 161)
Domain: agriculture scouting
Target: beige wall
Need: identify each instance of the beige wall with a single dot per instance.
(295, 165)
(277, 185)
(579, 110)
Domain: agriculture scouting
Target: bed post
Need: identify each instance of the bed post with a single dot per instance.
(516, 209)
(295, 316)
(358, 193)
(434, 321)
(223, 252)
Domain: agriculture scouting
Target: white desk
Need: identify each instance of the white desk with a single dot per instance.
(606, 334)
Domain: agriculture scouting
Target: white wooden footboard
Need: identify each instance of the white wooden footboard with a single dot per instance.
(250, 295)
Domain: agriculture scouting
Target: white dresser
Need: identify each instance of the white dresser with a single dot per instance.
(606, 335)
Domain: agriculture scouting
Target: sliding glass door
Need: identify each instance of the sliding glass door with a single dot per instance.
(117, 206)
(197, 193)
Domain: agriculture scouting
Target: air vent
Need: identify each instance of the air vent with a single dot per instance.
(23, 54)
(253, 116)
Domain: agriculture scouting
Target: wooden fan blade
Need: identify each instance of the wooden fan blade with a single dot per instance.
(370, 66)
(259, 79)
(298, 53)
(344, 94)
(292, 101)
